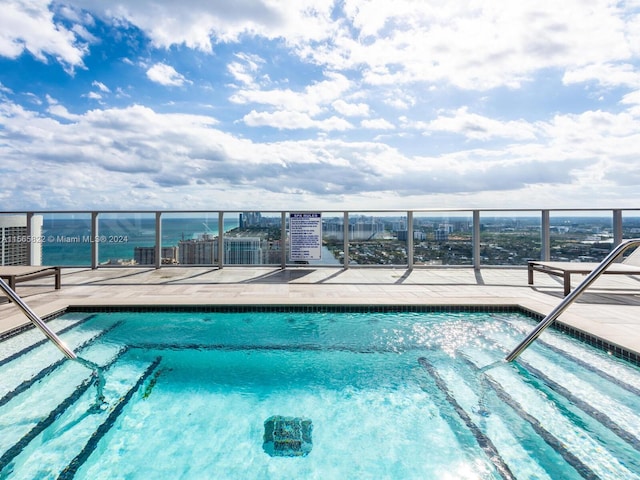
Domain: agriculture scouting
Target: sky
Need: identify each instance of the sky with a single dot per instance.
(319, 104)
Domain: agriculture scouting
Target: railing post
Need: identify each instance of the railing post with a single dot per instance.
(29, 236)
(410, 240)
(283, 240)
(617, 227)
(545, 237)
(475, 240)
(158, 256)
(345, 239)
(94, 237)
(220, 239)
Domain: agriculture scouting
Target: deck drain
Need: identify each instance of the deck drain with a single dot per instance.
(287, 436)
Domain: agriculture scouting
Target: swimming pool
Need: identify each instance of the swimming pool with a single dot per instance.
(389, 394)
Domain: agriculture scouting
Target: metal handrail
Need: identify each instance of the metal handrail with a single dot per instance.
(569, 299)
(37, 321)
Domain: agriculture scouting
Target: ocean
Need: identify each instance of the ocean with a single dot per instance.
(67, 241)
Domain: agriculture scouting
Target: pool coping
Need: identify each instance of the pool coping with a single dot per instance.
(558, 325)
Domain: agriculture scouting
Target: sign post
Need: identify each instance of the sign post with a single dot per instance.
(305, 236)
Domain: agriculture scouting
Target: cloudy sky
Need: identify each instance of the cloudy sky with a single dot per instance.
(319, 104)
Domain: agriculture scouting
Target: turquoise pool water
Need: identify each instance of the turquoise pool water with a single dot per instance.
(397, 395)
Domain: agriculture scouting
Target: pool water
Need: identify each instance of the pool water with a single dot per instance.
(392, 395)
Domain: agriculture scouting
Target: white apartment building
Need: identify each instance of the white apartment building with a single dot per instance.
(18, 245)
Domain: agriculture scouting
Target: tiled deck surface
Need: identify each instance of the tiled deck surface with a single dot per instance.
(610, 309)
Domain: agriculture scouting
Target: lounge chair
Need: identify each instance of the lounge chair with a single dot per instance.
(16, 274)
(629, 266)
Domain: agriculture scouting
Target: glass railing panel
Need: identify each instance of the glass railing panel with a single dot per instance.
(509, 237)
(67, 239)
(186, 239)
(580, 236)
(252, 238)
(442, 238)
(332, 249)
(120, 233)
(374, 238)
(630, 224)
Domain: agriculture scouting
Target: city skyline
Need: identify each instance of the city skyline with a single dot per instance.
(319, 105)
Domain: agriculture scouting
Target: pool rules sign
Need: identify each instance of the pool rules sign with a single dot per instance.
(305, 236)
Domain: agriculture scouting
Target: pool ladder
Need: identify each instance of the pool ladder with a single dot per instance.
(37, 321)
(569, 299)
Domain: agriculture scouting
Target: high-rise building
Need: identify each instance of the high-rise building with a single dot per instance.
(236, 251)
(147, 255)
(201, 251)
(250, 219)
(15, 240)
(242, 251)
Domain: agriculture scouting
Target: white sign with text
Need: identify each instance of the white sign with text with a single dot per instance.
(305, 236)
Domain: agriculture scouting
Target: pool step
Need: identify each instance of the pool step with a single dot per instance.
(44, 451)
(480, 382)
(19, 370)
(467, 417)
(19, 341)
(78, 461)
(583, 385)
(598, 362)
(571, 433)
(23, 412)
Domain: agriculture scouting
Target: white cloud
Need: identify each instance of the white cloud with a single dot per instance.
(101, 86)
(341, 71)
(470, 44)
(4, 89)
(245, 69)
(351, 109)
(201, 24)
(29, 26)
(179, 155)
(292, 120)
(83, 33)
(377, 124)
(477, 127)
(297, 110)
(166, 75)
(474, 45)
(632, 99)
(606, 74)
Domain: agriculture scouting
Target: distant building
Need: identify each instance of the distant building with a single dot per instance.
(147, 255)
(441, 235)
(420, 236)
(404, 234)
(236, 251)
(361, 229)
(15, 240)
(250, 219)
(202, 251)
(242, 251)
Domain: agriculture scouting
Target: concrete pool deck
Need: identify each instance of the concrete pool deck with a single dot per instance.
(609, 309)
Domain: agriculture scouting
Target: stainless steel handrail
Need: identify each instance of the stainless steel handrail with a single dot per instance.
(37, 321)
(569, 299)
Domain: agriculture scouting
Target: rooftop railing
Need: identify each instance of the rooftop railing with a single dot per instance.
(395, 238)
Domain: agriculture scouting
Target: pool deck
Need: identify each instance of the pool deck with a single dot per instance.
(609, 309)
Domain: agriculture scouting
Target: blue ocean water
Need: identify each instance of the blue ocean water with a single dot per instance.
(68, 241)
